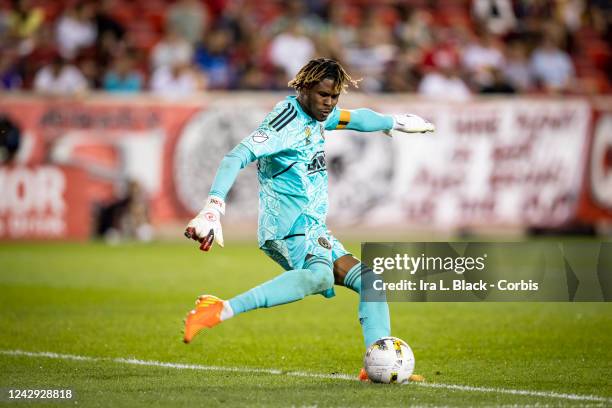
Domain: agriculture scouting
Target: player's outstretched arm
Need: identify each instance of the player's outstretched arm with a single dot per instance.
(206, 226)
(366, 120)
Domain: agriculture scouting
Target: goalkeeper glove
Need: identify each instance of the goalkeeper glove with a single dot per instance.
(206, 226)
(408, 123)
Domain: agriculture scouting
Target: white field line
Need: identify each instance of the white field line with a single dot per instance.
(178, 366)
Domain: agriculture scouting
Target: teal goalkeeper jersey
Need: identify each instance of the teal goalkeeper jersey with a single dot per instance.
(289, 146)
(289, 149)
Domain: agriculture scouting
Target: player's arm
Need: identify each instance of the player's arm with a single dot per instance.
(206, 226)
(366, 120)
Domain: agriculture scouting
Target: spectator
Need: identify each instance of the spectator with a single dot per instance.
(122, 77)
(189, 19)
(552, 67)
(60, 78)
(10, 139)
(498, 85)
(110, 32)
(442, 79)
(45, 51)
(399, 75)
(75, 30)
(369, 57)
(531, 15)
(291, 49)
(341, 29)
(496, 15)
(24, 21)
(481, 57)
(235, 21)
(296, 11)
(444, 84)
(176, 81)
(213, 57)
(5, 30)
(9, 73)
(516, 69)
(253, 78)
(171, 50)
(91, 71)
(415, 31)
(570, 13)
(105, 23)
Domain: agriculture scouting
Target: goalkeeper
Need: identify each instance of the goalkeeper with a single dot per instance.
(289, 149)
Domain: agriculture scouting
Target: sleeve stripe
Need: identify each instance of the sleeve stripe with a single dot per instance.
(280, 115)
(345, 118)
(280, 126)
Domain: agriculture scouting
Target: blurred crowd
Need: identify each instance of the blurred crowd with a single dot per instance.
(450, 49)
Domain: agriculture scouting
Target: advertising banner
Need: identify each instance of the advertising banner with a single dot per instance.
(513, 163)
(43, 202)
(498, 163)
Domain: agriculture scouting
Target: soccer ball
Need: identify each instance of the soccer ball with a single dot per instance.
(389, 360)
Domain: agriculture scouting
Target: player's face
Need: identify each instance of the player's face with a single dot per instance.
(319, 100)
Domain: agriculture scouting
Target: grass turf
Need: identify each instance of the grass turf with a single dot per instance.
(128, 302)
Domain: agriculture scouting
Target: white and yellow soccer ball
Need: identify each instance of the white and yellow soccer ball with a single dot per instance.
(389, 360)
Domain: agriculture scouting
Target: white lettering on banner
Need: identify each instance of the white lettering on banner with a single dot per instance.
(540, 120)
(497, 163)
(481, 126)
(32, 203)
(601, 162)
(26, 190)
(32, 226)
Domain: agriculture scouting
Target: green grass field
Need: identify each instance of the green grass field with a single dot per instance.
(128, 302)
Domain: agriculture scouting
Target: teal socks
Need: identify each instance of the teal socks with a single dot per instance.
(316, 277)
(373, 316)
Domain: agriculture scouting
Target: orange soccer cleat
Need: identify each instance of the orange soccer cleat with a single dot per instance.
(363, 376)
(207, 313)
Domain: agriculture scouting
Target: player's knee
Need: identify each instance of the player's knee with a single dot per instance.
(321, 275)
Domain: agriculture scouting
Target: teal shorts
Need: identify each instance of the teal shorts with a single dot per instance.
(305, 238)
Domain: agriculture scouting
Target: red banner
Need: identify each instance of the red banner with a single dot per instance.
(596, 192)
(113, 141)
(43, 202)
(498, 162)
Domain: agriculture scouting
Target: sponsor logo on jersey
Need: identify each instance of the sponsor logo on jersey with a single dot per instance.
(324, 243)
(259, 136)
(317, 163)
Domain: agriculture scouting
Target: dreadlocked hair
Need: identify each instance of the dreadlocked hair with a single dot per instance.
(317, 70)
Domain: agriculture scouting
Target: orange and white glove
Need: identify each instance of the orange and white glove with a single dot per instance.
(206, 226)
(408, 123)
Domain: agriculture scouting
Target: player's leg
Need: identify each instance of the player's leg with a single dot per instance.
(373, 308)
(313, 275)
(306, 252)
(373, 316)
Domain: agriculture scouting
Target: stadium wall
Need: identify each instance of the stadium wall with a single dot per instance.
(497, 162)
